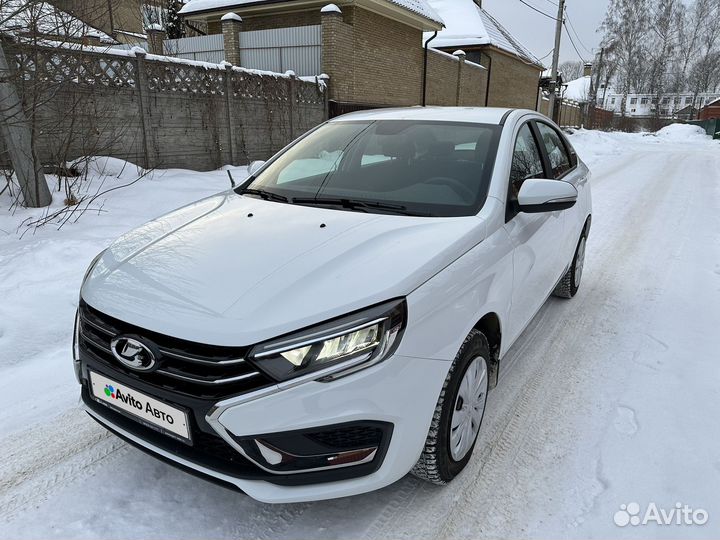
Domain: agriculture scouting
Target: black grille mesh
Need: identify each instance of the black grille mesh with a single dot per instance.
(192, 369)
(349, 437)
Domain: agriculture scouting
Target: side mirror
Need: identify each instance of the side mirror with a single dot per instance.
(255, 166)
(537, 196)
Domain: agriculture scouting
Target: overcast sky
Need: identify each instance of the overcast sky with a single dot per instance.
(537, 32)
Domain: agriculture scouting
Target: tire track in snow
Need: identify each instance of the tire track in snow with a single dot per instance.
(45, 457)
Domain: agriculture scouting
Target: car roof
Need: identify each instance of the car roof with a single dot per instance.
(476, 115)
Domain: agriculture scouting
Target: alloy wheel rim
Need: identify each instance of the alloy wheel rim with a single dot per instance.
(580, 262)
(469, 408)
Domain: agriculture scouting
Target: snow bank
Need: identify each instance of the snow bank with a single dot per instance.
(41, 271)
(595, 146)
(107, 166)
(682, 133)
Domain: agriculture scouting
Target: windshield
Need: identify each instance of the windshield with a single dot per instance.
(388, 166)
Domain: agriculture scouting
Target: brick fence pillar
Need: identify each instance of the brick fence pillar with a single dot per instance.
(231, 28)
(156, 37)
(461, 64)
(332, 63)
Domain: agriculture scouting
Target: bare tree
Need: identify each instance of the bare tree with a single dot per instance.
(48, 99)
(572, 70)
(626, 27)
(662, 48)
(703, 74)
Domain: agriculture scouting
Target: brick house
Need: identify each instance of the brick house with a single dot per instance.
(45, 21)
(372, 50)
(125, 20)
(710, 111)
(513, 71)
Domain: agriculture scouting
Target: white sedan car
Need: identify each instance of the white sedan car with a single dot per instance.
(336, 321)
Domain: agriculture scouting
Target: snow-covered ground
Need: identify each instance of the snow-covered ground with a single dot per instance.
(612, 398)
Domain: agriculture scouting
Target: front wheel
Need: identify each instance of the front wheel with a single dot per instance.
(570, 283)
(458, 414)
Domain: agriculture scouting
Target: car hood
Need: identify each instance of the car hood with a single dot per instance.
(236, 270)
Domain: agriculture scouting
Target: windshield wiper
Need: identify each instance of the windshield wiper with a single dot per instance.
(359, 205)
(265, 195)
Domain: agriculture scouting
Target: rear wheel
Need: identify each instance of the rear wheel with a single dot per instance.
(458, 414)
(570, 283)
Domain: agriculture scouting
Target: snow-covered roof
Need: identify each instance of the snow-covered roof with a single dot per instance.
(468, 24)
(419, 7)
(22, 16)
(579, 89)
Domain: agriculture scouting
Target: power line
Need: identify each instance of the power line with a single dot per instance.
(548, 54)
(572, 26)
(538, 10)
(573, 43)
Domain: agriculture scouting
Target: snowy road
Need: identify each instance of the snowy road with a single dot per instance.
(611, 398)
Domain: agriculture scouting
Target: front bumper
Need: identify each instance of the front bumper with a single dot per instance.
(401, 392)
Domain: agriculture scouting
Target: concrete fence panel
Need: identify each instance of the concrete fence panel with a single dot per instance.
(159, 112)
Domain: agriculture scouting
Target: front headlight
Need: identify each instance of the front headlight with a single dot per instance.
(335, 348)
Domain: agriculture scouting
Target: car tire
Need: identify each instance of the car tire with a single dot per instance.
(570, 282)
(448, 450)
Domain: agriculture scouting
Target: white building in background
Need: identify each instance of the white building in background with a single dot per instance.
(646, 105)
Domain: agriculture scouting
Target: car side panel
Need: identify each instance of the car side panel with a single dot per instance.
(537, 264)
(442, 311)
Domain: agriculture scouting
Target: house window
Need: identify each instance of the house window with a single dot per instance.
(644, 101)
(676, 101)
(688, 100)
(633, 101)
(666, 101)
(612, 101)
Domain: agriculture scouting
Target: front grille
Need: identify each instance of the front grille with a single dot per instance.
(349, 437)
(193, 369)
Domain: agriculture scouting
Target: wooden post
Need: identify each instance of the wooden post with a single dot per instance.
(229, 107)
(15, 129)
(142, 90)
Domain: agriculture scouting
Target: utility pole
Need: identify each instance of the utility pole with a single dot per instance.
(556, 57)
(596, 89)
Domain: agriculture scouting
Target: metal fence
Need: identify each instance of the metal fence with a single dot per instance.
(298, 49)
(711, 127)
(203, 48)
